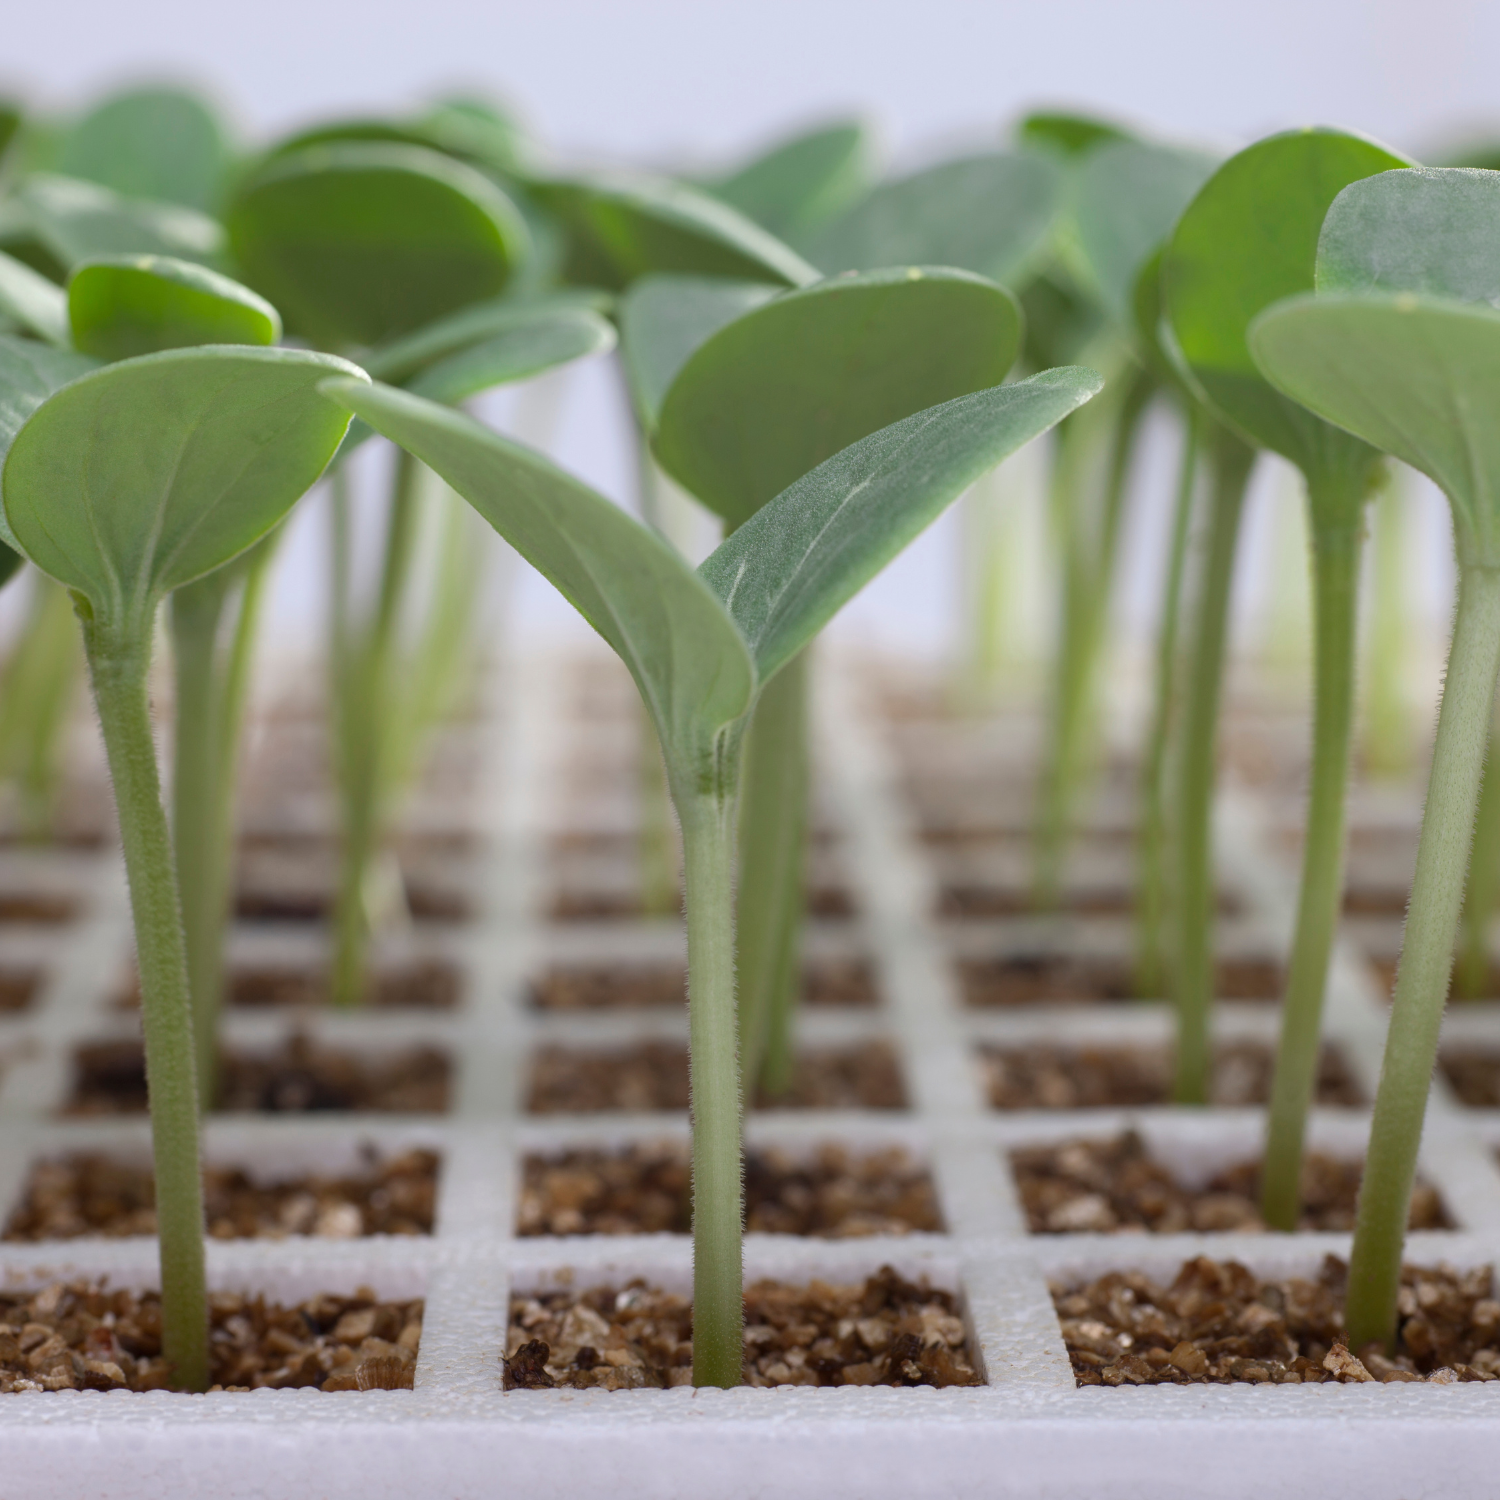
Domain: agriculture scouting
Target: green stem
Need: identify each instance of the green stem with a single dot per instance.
(708, 841)
(1388, 737)
(1151, 978)
(1231, 461)
(773, 858)
(1426, 959)
(118, 665)
(1090, 547)
(658, 843)
(1336, 552)
(362, 695)
(1483, 890)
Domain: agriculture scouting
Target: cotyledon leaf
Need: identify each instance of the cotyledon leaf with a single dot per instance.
(663, 319)
(1248, 239)
(771, 395)
(80, 221)
(550, 339)
(992, 214)
(1417, 377)
(32, 301)
(143, 475)
(802, 182)
(690, 662)
(125, 305)
(1417, 229)
(786, 572)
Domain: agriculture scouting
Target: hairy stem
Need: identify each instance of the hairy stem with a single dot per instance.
(1090, 545)
(1151, 975)
(118, 665)
(1336, 552)
(708, 841)
(773, 858)
(1193, 973)
(1472, 971)
(1388, 739)
(1426, 959)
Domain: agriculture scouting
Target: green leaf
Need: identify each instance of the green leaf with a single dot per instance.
(1068, 133)
(33, 301)
(1421, 229)
(801, 183)
(78, 221)
(358, 243)
(786, 572)
(402, 358)
(663, 319)
(1247, 240)
(787, 385)
(1127, 198)
(29, 373)
(1413, 376)
(622, 227)
(534, 345)
(157, 143)
(138, 304)
(688, 659)
(141, 476)
(993, 215)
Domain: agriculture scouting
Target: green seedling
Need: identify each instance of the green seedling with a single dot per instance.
(1471, 970)
(158, 143)
(124, 485)
(37, 306)
(73, 221)
(1389, 739)
(803, 182)
(1066, 133)
(1401, 346)
(1126, 196)
(763, 400)
(702, 645)
(1249, 239)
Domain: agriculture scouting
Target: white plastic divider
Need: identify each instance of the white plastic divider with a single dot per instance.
(1027, 1432)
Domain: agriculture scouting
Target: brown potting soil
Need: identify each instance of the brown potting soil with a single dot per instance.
(959, 899)
(428, 985)
(1115, 1187)
(36, 907)
(1049, 978)
(646, 1189)
(1474, 1075)
(654, 1076)
(92, 1194)
(829, 981)
(888, 1331)
(17, 990)
(597, 904)
(299, 1077)
(1049, 1075)
(1219, 1323)
(79, 1337)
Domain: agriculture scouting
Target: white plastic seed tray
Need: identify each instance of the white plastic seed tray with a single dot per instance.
(1027, 1432)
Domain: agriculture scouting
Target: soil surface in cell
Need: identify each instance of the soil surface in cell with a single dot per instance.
(1219, 1323)
(1044, 1075)
(1475, 1076)
(93, 1194)
(581, 903)
(647, 1189)
(77, 1337)
(654, 1076)
(829, 981)
(428, 985)
(1115, 1187)
(37, 907)
(300, 1077)
(1052, 978)
(295, 879)
(961, 899)
(17, 991)
(888, 1331)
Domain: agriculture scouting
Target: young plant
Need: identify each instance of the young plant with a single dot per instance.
(1248, 239)
(761, 401)
(124, 485)
(1400, 345)
(801, 183)
(702, 645)
(1471, 970)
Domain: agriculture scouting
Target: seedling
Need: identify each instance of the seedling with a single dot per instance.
(803, 182)
(760, 402)
(1248, 239)
(124, 485)
(702, 645)
(1401, 346)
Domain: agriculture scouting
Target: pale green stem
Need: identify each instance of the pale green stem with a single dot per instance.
(118, 665)
(773, 859)
(1336, 552)
(1426, 960)
(1151, 977)
(1388, 735)
(658, 843)
(362, 695)
(708, 841)
(1090, 550)
(1193, 972)
(1472, 971)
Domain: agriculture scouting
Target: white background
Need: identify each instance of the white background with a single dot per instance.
(698, 83)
